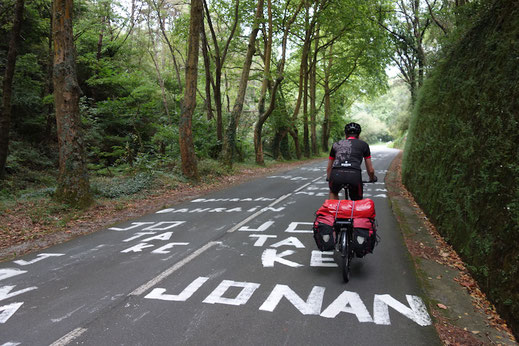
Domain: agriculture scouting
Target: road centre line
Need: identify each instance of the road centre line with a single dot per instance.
(259, 212)
(305, 185)
(171, 270)
(68, 338)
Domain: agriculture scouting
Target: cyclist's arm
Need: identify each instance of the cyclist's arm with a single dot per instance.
(329, 168)
(369, 168)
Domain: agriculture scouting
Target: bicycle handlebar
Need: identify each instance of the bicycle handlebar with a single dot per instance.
(369, 181)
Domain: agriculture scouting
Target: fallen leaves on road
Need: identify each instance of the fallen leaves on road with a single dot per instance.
(452, 335)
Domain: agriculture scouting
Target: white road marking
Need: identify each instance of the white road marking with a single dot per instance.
(139, 291)
(251, 217)
(312, 306)
(6, 273)
(68, 338)
(7, 311)
(259, 212)
(217, 296)
(5, 291)
(38, 258)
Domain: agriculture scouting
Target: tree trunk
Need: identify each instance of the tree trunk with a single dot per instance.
(302, 72)
(5, 115)
(295, 136)
(50, 119)
(327, 103)
(308, 43)
(187, 149)
(230, 136)
(208, 77)
(73, 184)
(258, 145)
(219, 60)
(218, 103)
(306, 133)
(413, 87)
(326, 121)
(313, 92)
(421, 65)
(154, 58)
(280, 146)
(262, 117)
(165, 35)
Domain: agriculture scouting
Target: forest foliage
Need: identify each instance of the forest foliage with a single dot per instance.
(461, 161)
(131, 59)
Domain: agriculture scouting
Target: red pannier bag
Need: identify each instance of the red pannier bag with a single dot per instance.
(364, 236)
(324, 235)
(366, 223)
(356, 209)
(363, 214)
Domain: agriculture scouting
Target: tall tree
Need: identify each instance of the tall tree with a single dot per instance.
(187, 149)
(313, 96)
(153, 54)
(73, 183)
(50, 116)
(303, 73)
(162, 25)
(325, 134)
(408, 31)
(5, 115)
(230, 135)
(265, 114)
(219, 56)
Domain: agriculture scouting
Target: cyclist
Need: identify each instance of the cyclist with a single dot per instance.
(344, 164)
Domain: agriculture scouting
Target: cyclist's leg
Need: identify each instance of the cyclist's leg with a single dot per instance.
(355, 188)
(335, 184)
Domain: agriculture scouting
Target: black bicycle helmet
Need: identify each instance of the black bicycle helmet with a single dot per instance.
(352, 129)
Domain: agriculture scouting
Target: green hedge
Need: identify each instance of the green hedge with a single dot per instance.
(461, 160)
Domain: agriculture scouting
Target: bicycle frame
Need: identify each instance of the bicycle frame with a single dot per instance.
(344, 230)
(344, 241)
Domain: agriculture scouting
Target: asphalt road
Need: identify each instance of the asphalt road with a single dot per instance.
(239, 266)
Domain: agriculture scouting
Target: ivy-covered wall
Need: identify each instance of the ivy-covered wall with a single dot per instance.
(461, 159)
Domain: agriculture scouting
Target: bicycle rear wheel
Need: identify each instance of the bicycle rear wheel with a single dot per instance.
(345, 256)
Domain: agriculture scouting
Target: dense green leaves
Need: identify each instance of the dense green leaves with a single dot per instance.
(461, 160)
(131, 59)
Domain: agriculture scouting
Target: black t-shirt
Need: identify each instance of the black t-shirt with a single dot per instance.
(348, 153)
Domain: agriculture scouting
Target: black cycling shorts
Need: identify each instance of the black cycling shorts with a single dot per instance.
(339, 178)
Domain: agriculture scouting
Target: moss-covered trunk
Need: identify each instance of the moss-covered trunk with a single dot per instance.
(187, 149)
(230, 135)
(73, 183)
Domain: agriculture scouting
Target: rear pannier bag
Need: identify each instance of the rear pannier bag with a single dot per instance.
(364, 208)
(364, 236)
(347, 209)
(323, 232)
(363, 214)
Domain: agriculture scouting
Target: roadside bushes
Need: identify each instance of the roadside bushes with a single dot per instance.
(462, 158)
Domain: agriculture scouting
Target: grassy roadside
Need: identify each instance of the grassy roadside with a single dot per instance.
(462, 314)
(31, 220)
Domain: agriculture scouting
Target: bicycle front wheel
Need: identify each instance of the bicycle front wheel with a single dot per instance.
(345, 256)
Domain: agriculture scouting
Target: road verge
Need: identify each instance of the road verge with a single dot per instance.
(462, 314)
